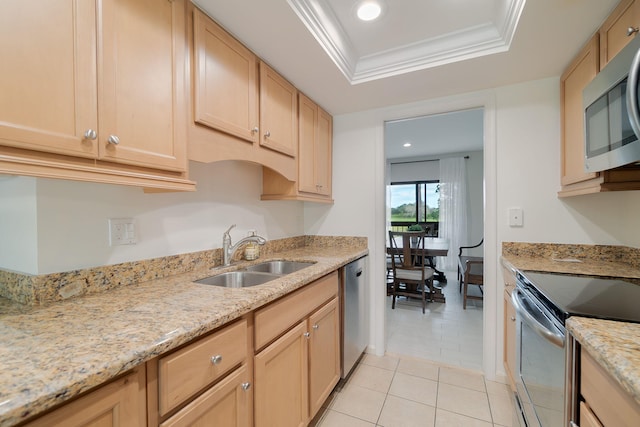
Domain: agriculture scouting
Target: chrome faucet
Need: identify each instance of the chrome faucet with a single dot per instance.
(228, 250)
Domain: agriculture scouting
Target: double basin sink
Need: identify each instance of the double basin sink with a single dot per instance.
(256, 274)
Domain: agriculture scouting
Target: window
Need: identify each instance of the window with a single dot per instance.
(415, 203)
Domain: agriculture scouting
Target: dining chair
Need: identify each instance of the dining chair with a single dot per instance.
(472, 274)
(412, 276)
(460, 267)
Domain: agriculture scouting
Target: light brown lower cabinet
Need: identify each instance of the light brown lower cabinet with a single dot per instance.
(509, 356)
(296, 373)
(603, 401)
(228, 403)
(120, 403)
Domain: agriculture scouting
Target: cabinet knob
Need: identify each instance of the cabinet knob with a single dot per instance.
(255, 130)
(632, 30)
(90, 134)
(513, 319)
(307, 335)
(113, 139)
(245, 386)
(267, 134)
(316, 326)
(217, 359)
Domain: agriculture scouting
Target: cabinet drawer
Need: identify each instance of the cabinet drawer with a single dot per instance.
(190, 369)
(228, 403)
(587, 418)
(609, 402)
(277, 317)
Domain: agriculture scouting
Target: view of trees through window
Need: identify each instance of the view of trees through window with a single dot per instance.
(415, 202)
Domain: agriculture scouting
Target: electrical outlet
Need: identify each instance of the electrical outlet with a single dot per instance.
(122, 231)
(515, 217)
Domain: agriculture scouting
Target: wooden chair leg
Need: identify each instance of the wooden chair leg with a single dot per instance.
(464, 296)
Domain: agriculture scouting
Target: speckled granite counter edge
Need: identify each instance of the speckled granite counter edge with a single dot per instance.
(615, 346)
(125, 329)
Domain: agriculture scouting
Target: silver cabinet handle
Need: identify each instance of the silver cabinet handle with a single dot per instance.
(513, 319)
(255, 130)
(307, 335)
(267, 134)
(632, 30)
(113, 139)
(316, 326)
(90, 134)
(217, 359)
(245, 386)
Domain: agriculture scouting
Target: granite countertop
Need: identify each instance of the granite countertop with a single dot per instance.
(55, 352)
(615, 346)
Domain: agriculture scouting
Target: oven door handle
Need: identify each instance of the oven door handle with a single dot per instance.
(556, 338)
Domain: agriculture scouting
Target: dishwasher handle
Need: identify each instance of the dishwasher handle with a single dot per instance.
(545, 331)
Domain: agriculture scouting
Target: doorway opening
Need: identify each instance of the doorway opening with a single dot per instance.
(420, 152)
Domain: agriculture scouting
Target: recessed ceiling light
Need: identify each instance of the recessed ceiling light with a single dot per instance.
(406, 144)
(369, 10)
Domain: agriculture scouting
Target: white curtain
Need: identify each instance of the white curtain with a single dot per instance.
(453, 208)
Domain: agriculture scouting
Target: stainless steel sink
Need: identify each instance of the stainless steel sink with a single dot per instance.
(238, 279)
(278, 267)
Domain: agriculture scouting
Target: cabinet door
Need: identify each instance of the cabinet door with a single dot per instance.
(324, 354)
(614, 34)
(120, 403)
(141, 61)
(48, 76)
(227, 404)
(509, 355)
(581, 71)
(281, 388)
(308, 135)
(324, 152)
(278, 112)
(225, 81)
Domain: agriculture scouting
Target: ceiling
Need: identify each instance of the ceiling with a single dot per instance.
(417, 50)
(454, 132)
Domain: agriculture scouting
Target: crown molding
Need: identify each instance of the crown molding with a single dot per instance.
(473, 42)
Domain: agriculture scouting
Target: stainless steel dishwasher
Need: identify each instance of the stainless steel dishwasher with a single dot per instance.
(355, 313)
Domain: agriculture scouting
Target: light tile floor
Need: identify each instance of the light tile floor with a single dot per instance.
(430, 376)
(392, 391)
(445, 333)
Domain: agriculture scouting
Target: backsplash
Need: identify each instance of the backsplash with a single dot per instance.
(41, 289)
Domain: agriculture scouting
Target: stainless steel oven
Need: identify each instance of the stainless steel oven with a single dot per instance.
(540, 362)
(543, 302)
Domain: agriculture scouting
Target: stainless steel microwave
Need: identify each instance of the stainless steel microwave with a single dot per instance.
(611, 112)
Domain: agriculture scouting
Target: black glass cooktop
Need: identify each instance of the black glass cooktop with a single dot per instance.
(568, 295)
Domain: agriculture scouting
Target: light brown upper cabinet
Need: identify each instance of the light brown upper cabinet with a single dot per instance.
(578, 75)
(314, 164)
(240, 108)
(225, 81)
(278, 112)
(599, 50)
(315, 138)
(620, 27)
(99, 81)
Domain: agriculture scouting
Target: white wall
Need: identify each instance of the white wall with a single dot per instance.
(528, 177)
(521, 169)
(72, 218)
(18, 224)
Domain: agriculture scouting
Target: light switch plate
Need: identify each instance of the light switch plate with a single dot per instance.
(122, 231)
(515, 217)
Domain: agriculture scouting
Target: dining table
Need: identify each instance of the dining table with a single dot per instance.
(433, 247)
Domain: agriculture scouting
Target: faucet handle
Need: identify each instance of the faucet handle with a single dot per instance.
(227, 232)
